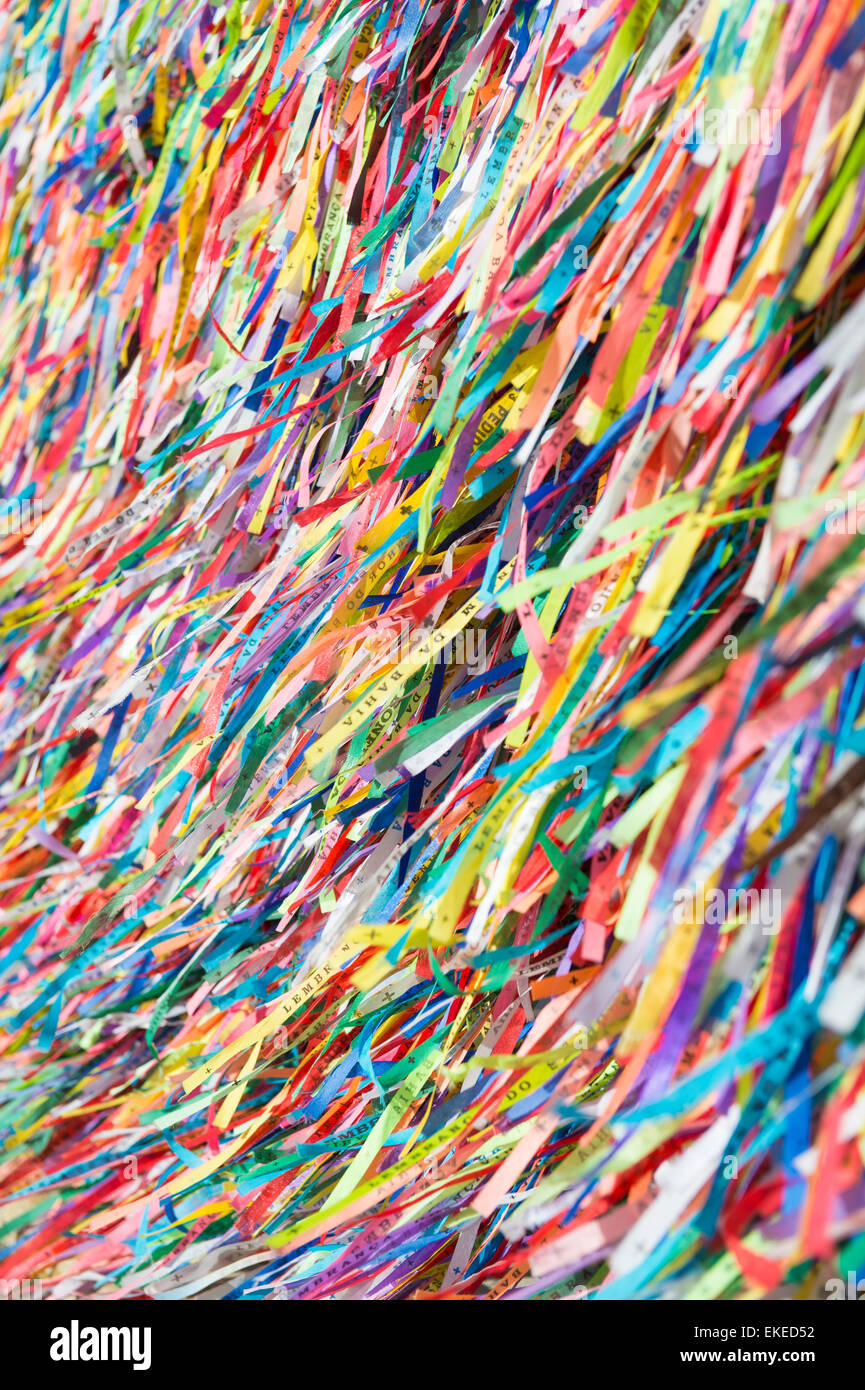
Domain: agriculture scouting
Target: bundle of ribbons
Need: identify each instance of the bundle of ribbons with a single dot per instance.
(432, 607)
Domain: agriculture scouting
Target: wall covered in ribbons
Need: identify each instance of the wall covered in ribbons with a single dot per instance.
(432, 621)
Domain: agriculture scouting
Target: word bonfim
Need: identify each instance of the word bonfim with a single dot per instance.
(102, 1344)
